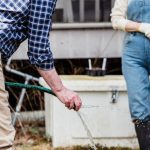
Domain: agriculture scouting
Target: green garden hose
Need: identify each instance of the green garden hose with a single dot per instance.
(28, 86)
(40, 88)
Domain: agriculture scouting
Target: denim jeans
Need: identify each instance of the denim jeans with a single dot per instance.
(136, 70)
(136, 61)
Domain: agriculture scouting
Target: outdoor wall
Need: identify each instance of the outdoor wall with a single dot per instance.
(82, 29)
(81, 40)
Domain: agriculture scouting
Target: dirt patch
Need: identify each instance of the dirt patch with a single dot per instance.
(42, 146)
(31, 136)
(89, 148)
(45, 146)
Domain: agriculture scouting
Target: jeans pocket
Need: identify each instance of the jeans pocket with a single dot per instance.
(128, 38)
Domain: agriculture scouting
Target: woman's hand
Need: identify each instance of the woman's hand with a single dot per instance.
(145, 28)
(131, 26)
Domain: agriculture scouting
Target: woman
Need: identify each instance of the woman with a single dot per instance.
(133, 17)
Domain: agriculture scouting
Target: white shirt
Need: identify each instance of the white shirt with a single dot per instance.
(118, 15)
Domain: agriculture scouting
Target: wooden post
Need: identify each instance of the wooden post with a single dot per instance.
(69, 10)
(112, 3)
(82, 13)
(97, 10)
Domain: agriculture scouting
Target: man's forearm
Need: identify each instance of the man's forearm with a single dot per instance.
(52, 79)
(66, 96)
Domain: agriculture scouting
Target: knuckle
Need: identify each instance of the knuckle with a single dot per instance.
(73, 98)
(67, 102)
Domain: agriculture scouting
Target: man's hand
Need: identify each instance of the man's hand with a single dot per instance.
(69, 98)
(66, 96)
(145, 28)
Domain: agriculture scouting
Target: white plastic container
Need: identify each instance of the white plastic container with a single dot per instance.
(105, 111)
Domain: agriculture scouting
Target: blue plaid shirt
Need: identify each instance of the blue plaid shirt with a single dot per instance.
(21, 19)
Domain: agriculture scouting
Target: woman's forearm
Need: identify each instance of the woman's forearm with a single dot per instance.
(120, 23)
(132, 26)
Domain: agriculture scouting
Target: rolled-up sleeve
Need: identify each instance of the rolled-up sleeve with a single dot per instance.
(118, 15)
(39, 25)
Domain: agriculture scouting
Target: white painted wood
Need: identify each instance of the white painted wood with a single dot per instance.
(81, 10)
(31, 116)
(112, 3)
(49, 115)
(66, 5)
(69, 11)
(97, 10)
(109, 123)
(81, 40)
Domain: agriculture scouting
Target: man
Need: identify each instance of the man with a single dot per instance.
(21, 19)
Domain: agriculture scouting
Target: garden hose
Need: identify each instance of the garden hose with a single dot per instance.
(28, 86)
(43, 89)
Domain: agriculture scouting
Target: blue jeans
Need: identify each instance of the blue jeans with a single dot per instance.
(136, 70)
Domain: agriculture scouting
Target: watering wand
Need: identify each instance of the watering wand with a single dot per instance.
(87, 131)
